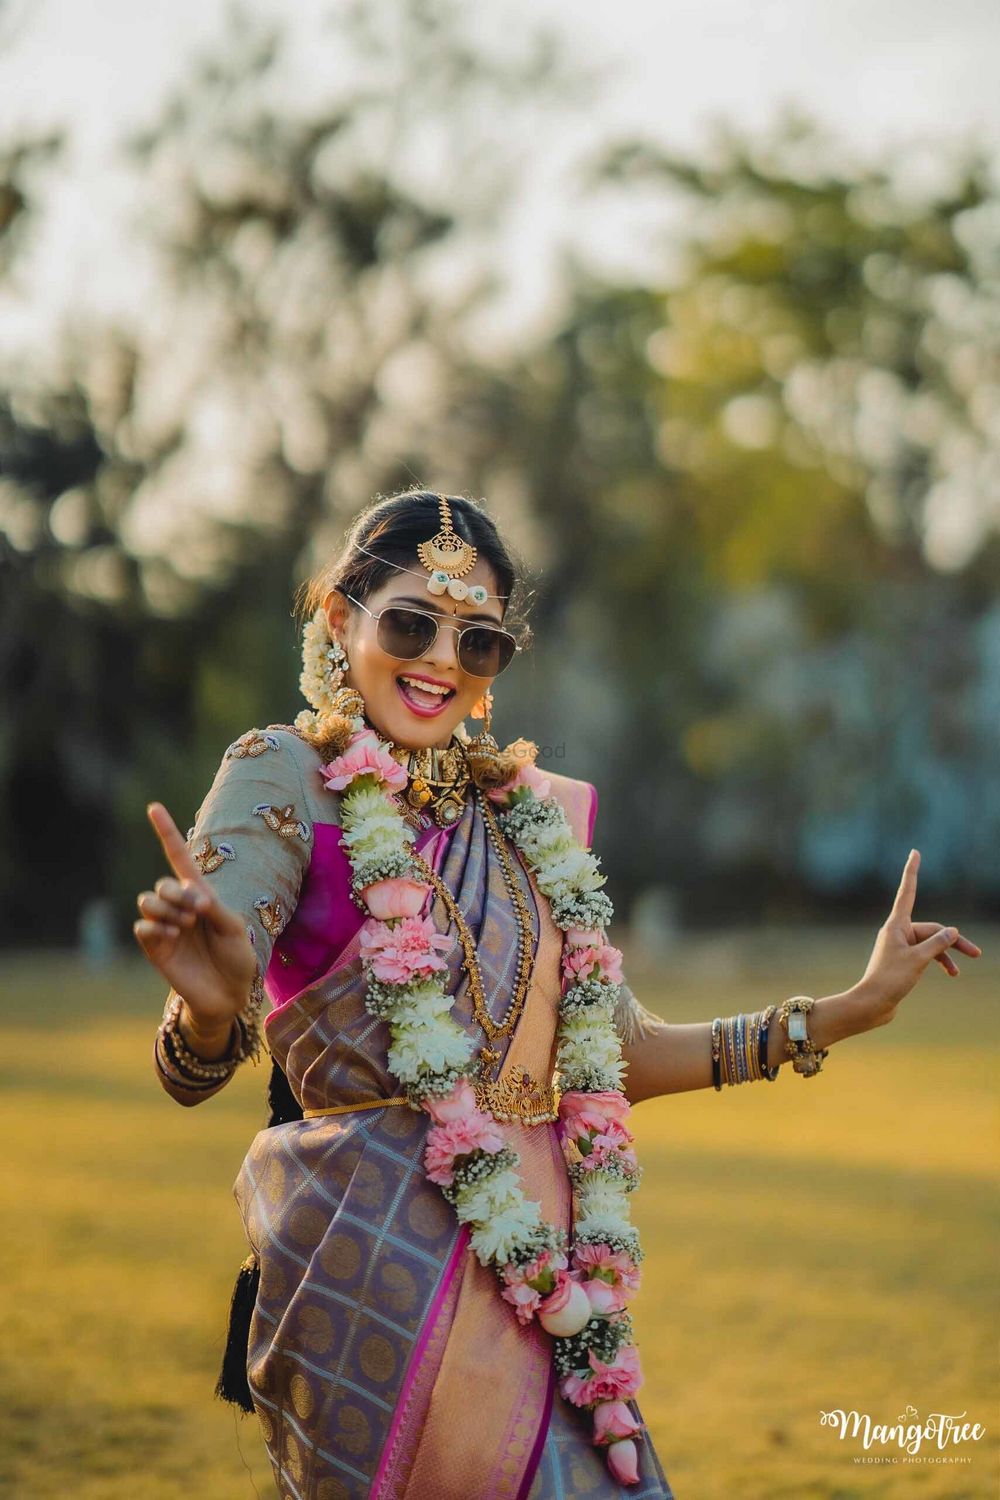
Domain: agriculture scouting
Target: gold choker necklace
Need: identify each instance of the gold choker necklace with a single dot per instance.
(439, 780)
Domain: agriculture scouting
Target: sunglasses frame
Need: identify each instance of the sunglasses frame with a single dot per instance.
(437, 622)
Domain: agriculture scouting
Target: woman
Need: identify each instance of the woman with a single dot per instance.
(441, 1251)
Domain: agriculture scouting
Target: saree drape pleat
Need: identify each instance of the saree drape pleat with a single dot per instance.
(382, 1360)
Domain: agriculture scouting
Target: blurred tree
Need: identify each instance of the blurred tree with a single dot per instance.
(788, 462)
(310, 275)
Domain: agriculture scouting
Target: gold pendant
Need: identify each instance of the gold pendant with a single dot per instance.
(518, 1099)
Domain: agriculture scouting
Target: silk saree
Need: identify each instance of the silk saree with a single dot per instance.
(382, 1360)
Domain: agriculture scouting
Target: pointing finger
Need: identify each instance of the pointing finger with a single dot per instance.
(179, 856)
(902, 907)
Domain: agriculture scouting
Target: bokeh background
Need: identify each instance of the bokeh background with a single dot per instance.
(705, 302)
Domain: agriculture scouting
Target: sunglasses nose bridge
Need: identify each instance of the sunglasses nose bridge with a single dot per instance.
(448, 654)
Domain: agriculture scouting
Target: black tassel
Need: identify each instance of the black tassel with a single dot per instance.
(232, 1384)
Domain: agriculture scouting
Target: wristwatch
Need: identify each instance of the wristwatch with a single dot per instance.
(793, 1014)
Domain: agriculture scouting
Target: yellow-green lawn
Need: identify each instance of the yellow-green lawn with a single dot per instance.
(812, 1244)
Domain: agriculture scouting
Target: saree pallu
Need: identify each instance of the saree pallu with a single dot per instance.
(382, 1360)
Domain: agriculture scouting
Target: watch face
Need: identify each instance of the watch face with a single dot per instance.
(797, 1026)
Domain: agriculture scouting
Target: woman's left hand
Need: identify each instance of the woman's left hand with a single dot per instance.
(904, 948)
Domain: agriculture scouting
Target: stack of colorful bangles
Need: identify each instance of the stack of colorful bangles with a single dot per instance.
(739, 1044)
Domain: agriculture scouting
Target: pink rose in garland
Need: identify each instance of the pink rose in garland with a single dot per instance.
(566, 1310)
(363, 757)
(584, 1116)
(613, 1421)
(593, 961)
(395, 897)
(613, 1268)
(611, 1145)
(623, 1461)
(403, 952)
(460, 1102)
(610, 1277)
(528, 775)
(459, 1137)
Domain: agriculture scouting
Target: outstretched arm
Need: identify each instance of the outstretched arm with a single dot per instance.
(669, 1059)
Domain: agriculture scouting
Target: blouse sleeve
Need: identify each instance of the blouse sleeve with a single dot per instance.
(252, 836)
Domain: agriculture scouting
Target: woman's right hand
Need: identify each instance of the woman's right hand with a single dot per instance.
(199, 946)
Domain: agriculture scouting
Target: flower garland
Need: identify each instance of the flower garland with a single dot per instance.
(579, 1295)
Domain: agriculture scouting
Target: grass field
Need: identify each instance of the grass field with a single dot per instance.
(812, 1244)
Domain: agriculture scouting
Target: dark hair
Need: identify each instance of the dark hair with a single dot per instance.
(392, 526)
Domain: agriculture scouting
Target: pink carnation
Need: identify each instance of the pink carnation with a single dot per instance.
(398, 954)
(586, 1114)
(617, 1381)
(395, 897)
(615, 1267)
(459, 1104)
(543, 1268)
(613, 1421)
(525, 1298)
(364, 756)
(526, 1284)
(597, 961)
(611, 1145)
(458, 1138)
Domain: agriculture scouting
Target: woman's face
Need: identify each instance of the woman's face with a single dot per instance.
(377, 677)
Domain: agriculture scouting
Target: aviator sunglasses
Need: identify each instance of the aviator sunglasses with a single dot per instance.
(406, 633)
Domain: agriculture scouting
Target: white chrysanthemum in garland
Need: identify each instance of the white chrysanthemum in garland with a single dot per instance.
(580, 1301)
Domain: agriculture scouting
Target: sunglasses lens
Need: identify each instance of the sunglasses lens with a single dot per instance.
(483, 652)
(404, 633)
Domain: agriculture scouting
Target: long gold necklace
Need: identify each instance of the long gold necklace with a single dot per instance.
(440, 780)
(519, 1098)
(493, 1029)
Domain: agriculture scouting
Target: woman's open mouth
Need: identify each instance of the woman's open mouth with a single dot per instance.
(422, 699)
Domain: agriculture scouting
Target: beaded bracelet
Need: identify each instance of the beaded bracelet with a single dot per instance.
(246, 1043)
(170, 1069)
(186, 1062)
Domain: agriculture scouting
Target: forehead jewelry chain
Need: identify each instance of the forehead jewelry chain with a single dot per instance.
(448, 557)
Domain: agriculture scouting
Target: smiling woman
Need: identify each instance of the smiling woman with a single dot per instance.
(439, 1207)
(403, 1256)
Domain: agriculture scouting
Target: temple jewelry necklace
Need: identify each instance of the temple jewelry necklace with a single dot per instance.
(493, 1029)
(439, 780)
